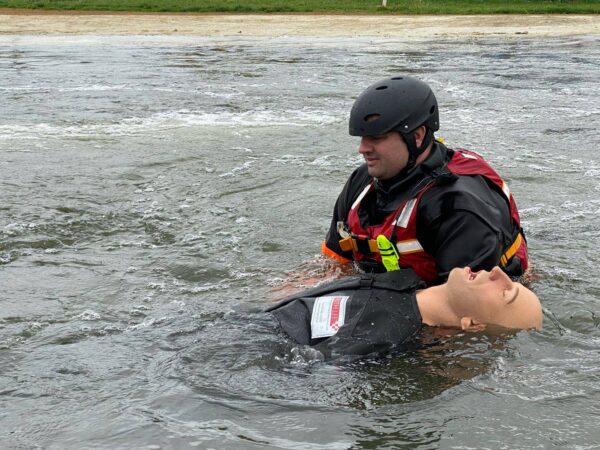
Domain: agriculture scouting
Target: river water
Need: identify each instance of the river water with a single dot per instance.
(154, 189)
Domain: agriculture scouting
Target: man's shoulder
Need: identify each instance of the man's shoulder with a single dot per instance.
(460, 185)
(470, 193)
(360, 175)
(357, 181)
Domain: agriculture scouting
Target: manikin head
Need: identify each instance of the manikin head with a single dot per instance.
(482, 299)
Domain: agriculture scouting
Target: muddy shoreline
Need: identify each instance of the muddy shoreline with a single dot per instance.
(33, 22)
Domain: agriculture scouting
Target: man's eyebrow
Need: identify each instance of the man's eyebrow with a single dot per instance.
(514, 297)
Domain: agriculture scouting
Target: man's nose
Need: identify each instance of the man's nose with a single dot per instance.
(365, 145)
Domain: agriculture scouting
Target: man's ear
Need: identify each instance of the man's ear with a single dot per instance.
(468, 324)
(419, 134)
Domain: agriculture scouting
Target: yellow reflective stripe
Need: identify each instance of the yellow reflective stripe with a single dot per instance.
(511, 250)
(404, 216)
(360, 197)
(410, 246)
(389, 256)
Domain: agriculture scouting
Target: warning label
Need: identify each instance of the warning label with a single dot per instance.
(328, 315)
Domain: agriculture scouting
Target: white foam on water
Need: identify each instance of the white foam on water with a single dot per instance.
(92, 88)
(224, 95)
(324, 161)
(16, 229)
(28, 88)
(204, 288)
(169, 120)
(89, 315)
(184, 41)
(238, 170)
(540, 168)
(537, 211)
(146, 323)
(593, 172)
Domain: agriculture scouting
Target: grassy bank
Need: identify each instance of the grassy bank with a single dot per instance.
(320, 6)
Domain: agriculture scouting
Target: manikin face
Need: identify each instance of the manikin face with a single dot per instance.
(492, 298)
(386, 155)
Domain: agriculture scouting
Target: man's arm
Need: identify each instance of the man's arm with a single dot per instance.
(463, 239)
(330, 247)
(310, 273)
(466, 224)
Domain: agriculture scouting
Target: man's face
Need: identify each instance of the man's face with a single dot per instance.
(492, 298)
(386, 155)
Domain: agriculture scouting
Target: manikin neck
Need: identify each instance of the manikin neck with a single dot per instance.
(433, 304)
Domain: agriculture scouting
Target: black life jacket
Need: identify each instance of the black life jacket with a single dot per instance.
(358, 315)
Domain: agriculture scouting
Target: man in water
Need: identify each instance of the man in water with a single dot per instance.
(375, 313)
(440, 208)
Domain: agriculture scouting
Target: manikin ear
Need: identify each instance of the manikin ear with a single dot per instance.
(468, 324)
(510, 295)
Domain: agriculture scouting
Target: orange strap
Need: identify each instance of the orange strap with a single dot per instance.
(511, 250)
(349, 244)
(333, 255)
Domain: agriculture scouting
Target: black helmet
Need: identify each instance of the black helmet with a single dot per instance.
(400, 103)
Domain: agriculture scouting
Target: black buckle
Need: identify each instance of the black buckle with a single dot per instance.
(362, 245)
(365, 282)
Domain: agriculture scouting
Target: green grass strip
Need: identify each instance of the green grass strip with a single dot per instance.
(319, 6)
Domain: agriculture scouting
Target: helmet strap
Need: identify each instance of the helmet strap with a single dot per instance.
(413, 151)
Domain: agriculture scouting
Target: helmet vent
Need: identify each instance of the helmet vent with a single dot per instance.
(380, 88)
(371, 117)
(432, 110)
(397, 78)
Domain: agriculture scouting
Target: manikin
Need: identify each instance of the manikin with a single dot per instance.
(374, 313)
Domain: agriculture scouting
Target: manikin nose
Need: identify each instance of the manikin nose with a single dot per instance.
(496, 274)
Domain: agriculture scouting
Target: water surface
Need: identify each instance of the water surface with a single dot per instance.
(155, 188)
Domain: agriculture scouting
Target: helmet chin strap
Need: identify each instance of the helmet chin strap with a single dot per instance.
(413, 151)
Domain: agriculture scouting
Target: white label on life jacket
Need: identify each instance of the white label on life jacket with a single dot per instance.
(328, 315)
(362, 194)
(506, 190)
(404, 216)
(468, 155)
(410, 246)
